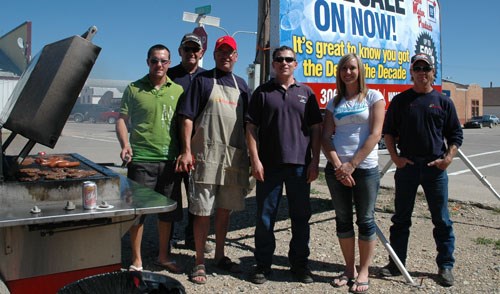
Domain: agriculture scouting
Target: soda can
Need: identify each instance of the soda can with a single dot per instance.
(89, 195)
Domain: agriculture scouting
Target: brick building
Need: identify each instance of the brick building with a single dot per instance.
(468, 99)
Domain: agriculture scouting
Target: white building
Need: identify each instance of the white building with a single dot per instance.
(104, 92)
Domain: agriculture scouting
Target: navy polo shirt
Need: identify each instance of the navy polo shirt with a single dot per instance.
(422, 122)
(284, 118)
(181, 77)
(195, 100)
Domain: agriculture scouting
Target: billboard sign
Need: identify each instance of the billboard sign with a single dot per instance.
(385, 34)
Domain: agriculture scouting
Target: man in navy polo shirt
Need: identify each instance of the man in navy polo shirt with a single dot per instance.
(283, 138)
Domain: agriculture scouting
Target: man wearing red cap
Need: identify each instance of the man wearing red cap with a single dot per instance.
(214, 151)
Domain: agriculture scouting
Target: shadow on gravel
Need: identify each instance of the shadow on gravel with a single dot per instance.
(418, 277)
(245, 219)
(239, 220)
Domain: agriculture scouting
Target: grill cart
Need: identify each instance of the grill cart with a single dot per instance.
(47, 239)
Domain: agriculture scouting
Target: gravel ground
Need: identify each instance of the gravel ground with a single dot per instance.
(477, 268)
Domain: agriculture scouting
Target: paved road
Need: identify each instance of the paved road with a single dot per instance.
(98, 143)
(482, 148)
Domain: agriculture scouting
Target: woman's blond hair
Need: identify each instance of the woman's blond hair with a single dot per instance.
(341, 87)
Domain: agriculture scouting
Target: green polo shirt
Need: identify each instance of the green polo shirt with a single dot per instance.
(153, 131)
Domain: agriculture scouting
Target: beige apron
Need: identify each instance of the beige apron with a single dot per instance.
(218, 143)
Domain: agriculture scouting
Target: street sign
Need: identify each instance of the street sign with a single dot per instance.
(200, 32)
(203, 9)
(201, 19)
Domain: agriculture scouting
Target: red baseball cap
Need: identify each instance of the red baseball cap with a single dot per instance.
(228, 40)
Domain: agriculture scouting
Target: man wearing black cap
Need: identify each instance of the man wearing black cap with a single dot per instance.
(212, 130)
(425, 126)
(191, 51)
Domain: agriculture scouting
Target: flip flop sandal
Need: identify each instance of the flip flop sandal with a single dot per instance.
(357, 284)
(171, 266)
(342, 278)
(227, 265)
(133, 268)
(198, 271)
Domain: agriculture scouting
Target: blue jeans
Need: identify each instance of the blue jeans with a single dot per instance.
(364, 196)
(268, 196)
(434, 181)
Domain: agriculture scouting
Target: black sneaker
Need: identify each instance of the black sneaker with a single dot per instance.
(446, 278)
(390, 270)
(302, 275)
(260, 275)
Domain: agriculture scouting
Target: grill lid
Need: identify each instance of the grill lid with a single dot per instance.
(47, 91)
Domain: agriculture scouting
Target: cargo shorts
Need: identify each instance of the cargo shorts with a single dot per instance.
(207, 197)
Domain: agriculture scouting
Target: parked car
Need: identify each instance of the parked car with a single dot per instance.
(491, 119)
(487, 120)
(110, 116)
(87, 112)
(474, 122)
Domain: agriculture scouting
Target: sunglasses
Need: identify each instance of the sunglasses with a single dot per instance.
(156, 61)
(422, 68)
(280, 59)
(191, 49)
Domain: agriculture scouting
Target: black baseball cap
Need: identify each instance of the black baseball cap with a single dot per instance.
(191, 38)
(422, 57)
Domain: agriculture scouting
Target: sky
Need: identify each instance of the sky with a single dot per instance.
(126, 29)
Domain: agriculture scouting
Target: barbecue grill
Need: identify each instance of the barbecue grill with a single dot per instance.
(47, 239)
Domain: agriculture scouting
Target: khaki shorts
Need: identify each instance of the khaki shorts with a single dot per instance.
(209, 197)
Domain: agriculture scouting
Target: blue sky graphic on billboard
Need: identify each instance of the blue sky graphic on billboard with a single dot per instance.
(384, 33)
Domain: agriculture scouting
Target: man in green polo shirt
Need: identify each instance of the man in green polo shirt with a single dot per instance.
(147, 113)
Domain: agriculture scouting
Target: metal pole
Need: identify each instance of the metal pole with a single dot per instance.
(200, 62)
(385, 168)
(221, 28)
(467, 162)
(263, 36)
(476, 172)
(394, 256)
(386, 243)
(243, 32)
